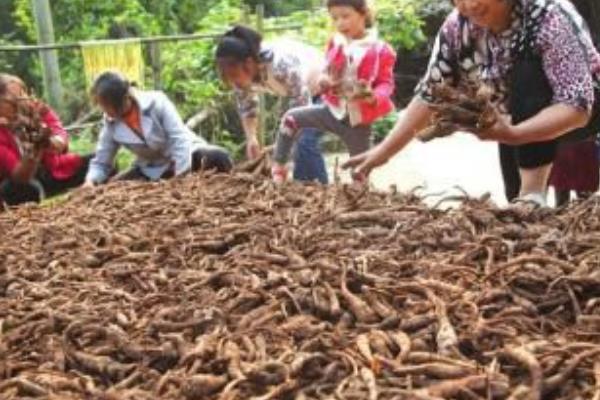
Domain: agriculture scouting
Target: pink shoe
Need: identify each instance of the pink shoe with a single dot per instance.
(360, 179)
(279, 173)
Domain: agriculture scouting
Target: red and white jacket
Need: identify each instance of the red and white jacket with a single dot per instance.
(364, 65)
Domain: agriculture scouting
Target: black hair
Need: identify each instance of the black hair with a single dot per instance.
(360, 6)
(112, 88)
(237, 45)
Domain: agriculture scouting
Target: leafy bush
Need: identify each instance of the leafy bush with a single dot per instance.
(190, 78)
(188, 74)
(77, 21)
(400, 24)
(383, 126)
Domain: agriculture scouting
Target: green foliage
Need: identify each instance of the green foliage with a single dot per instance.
(400, 24)
(188, 73)
(315, 26)
(10, 33)
(78, 21)
(190, 77)
(383, 126)
(85, 143)
(179, 16)
(275, 8)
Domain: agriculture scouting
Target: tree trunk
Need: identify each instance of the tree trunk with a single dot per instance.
(51, 70)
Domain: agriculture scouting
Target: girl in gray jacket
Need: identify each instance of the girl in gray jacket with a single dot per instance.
(147, 124)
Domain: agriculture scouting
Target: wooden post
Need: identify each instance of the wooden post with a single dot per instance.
(260, 26)
(51, 71)
(155, 60)
(245, 14)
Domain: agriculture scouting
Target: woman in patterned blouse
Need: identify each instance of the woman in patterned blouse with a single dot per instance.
(480, 42)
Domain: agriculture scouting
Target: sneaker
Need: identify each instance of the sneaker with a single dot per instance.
(534, 200)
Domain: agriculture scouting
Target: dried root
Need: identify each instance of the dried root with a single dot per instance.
(225, 287)
(467, 109)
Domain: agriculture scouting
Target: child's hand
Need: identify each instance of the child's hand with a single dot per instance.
(365, 97)
(326, 83)
(363, 92)
(58, 144)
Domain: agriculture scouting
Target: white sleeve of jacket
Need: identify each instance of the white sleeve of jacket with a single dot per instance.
(179, 136)
(103, 162)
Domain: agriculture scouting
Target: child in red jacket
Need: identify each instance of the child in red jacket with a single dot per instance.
(357, 85)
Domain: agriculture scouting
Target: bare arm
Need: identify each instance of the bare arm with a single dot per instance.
(247, 104)
(253, 147)
(59, 140)
(103, 162)
(250, 125)
(415, 118)
(550, 124)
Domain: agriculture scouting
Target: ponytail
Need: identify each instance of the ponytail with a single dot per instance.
(237, 45)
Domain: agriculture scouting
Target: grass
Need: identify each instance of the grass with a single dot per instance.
(85, 143)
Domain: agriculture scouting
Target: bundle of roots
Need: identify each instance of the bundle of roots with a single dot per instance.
(467, 109)
(33, 134)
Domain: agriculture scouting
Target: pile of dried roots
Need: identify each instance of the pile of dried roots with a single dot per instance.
(226, 287)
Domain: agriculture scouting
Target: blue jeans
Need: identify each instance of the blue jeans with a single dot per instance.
(309, 164)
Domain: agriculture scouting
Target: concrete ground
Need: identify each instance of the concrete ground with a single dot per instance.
(439, 167)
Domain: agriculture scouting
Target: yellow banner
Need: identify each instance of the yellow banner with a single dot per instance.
(124, 56)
